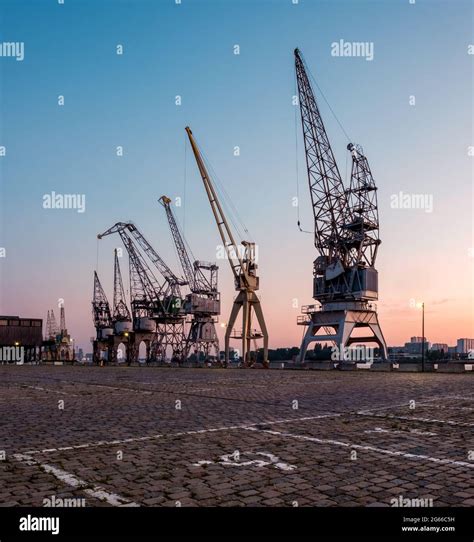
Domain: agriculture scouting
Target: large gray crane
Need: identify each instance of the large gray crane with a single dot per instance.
(346, 229)
(157, 306)
(203, 303)
(244, 269)
(102, 318)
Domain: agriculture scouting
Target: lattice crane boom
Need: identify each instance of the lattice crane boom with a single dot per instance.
(242, 268)
(159, 263)
(143, 292)
(127, 230)
(100, 306)
(120, 310)
(164, 299)
(144, 284)
(326, 187)
(196, 279)
(203, 303)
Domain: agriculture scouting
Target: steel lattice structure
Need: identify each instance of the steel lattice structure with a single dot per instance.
(203, 303)
(120, 312)
(346, 228)
(326, 188)
(157, 306)
(100, 306)
(362, 217)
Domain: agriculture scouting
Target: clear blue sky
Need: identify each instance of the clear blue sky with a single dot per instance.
(228, 101)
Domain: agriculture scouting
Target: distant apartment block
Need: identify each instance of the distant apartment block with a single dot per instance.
(415, 346)
(464, 346)
(440, 347)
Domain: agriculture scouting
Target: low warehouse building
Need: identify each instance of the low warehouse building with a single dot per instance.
(20, 339)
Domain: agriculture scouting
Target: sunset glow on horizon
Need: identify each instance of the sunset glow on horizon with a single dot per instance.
(231, 101)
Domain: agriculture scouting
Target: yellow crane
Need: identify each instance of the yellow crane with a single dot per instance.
(244, 268)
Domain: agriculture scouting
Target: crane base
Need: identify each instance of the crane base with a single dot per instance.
(202, 339)
(343, 320)
(248, 302)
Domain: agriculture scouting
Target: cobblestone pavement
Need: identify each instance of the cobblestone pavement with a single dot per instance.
(143, 436)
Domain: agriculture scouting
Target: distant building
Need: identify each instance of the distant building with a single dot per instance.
(398, 353)
(452, 350)
(80, 354)
(464, 346)
(396, 349)
(414, 347)
(440, 347)
(22, 333)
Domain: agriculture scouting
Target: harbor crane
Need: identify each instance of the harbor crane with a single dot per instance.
(121, 316)
(102, 318)
(101, 309)
(346, 235)
(157, 307)
(52, 329)
(203, 303)
(244, 269)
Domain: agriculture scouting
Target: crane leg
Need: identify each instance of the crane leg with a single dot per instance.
(377, 331)
(245, 331)
(308, 338)
(230, 324)
(257, 307)
(148, 351)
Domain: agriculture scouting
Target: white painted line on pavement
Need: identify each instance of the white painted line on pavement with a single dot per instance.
(50, 391)
(365, 448)
(394, 432)
(179, 434)
(69, 479)
(413, 418)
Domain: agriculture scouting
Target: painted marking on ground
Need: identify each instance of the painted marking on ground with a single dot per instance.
(179, 434)
(365, 448)
(50, 391)
(233, 460)
(410, 431)
(445, 406)
(413, 418)
(69, 479)
(406, 403)
(460, 397)
(135, 390)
